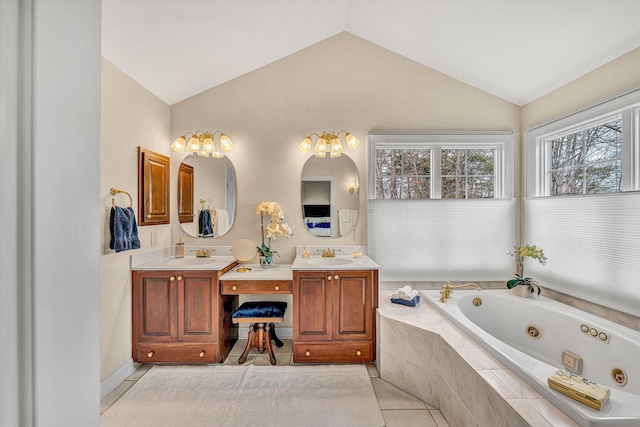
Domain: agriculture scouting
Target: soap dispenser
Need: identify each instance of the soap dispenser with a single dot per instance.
(179, 248)
(306, 253)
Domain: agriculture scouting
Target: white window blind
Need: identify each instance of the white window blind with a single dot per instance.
(592, 247)
(438, 240)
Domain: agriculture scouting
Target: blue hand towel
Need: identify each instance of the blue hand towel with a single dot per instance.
(411, 303)
(124, 230)
(205, 226)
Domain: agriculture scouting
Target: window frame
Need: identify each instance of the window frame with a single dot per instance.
(500, 142)
(538, 142)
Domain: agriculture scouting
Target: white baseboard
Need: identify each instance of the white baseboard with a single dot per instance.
(119, 375)
(283, 332)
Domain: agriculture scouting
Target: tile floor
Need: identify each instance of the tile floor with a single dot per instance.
(399, 409)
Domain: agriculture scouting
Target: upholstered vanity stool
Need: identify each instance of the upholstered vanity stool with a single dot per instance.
(261, 316)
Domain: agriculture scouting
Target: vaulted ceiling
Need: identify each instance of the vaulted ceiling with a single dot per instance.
(517, 50)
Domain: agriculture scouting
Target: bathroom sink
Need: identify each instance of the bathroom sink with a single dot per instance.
(189, 261)
(330, 261)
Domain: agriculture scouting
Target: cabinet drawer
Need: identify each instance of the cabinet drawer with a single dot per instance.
(237, 287)
(177, 353)
(357, 351)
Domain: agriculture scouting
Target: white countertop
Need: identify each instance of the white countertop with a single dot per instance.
(339, 262)
(187, 263)
(276, 272)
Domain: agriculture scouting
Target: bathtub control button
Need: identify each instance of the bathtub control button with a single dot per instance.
(603, 336)
(584, 328)
(593, 332)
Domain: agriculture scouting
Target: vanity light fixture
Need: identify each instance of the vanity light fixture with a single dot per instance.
(329, 142)
(202, 143)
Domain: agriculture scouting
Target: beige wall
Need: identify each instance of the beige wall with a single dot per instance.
(604, 82)
(343, 82)
(131, 117)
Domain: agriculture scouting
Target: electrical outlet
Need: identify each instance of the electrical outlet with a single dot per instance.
(154, 239)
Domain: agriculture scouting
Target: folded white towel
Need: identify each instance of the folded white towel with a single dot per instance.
(410, 295)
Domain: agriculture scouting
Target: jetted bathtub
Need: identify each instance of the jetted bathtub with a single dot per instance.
(529, 335)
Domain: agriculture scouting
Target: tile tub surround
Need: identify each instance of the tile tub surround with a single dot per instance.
(423, 354)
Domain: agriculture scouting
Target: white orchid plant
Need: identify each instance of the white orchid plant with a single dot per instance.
(520, 253)
(274, 229)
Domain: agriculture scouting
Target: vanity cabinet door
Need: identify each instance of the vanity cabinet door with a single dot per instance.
(197, 306)
(154, 307)
(353, 305)
(153, 188)
(312, 299)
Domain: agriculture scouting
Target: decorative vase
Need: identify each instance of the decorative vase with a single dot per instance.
(522, 291)
(265, 261)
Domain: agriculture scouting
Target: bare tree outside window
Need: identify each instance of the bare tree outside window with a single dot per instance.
(403, 174)
(588, 161)
(467, 173)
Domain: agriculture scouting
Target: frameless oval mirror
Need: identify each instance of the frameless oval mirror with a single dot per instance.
(330, 200)
(206, 196)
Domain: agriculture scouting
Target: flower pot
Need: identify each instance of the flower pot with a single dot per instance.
(265, 261)
(522, 291)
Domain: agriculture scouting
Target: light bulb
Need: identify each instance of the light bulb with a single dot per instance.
(225, 143)
(305, 145)
(179, 144)
(352, 141)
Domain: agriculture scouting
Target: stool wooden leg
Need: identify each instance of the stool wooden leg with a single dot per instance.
(249, 345)
(260, 338)
(272, 357)
(274, 337)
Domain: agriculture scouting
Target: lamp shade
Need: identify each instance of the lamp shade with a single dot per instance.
(207, 144)
(225, 143)
(321, 148)
(352, 141)
(179, 144)
(305, 145)
(194, 144)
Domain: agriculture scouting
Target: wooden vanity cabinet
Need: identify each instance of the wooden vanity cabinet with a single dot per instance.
(334, 315)
(176, 317)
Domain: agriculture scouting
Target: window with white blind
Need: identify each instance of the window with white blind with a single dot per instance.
(583, 202)
(441, 206)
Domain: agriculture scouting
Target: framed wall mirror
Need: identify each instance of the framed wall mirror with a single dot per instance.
(206, 193)
(330, 200)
